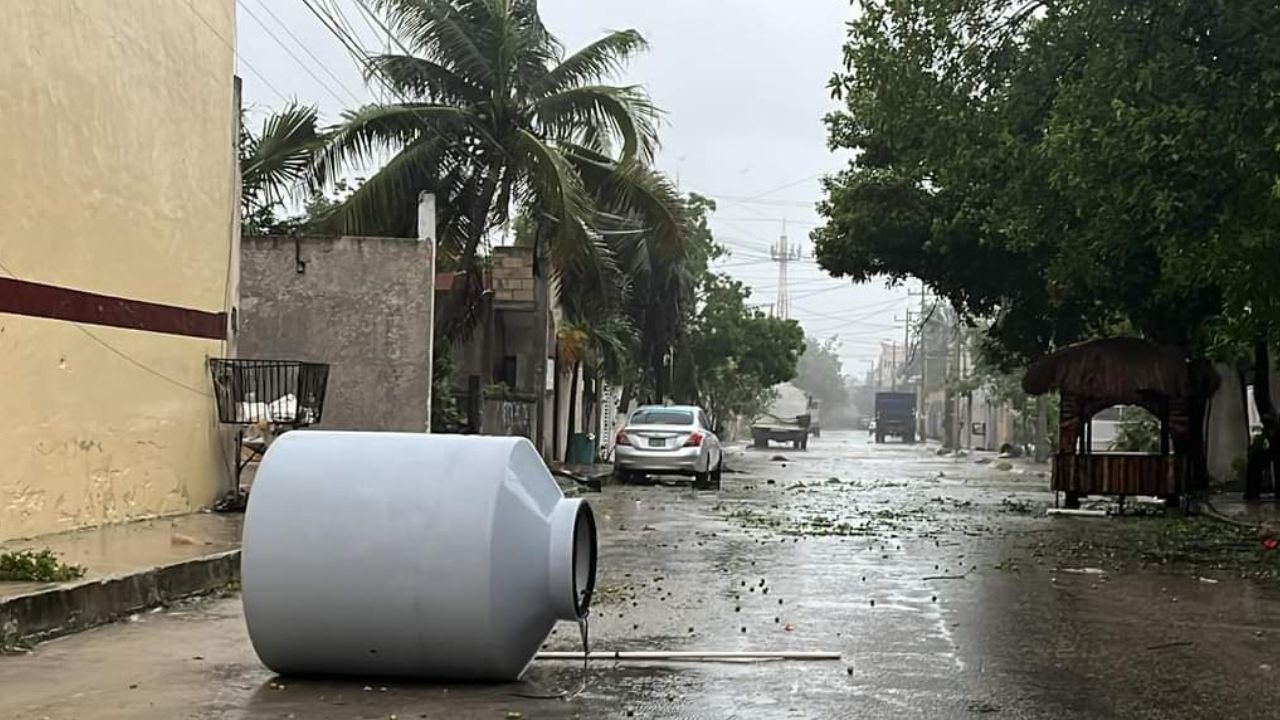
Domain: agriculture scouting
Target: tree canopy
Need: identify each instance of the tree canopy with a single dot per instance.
(739, 353)
(1067, 169)
(819, 372)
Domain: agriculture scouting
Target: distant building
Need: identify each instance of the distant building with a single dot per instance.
(117, 258)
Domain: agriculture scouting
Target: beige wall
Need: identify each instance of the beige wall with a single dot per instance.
(117, 138)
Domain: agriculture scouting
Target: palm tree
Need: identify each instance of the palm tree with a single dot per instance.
(493, 116)
(274, 162)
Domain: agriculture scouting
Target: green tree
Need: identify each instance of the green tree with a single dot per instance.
(493, 116)
(974, 123)
(738, 354)
(818, 373)
(1070, 170)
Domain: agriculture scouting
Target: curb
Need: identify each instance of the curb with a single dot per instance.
(71, 607)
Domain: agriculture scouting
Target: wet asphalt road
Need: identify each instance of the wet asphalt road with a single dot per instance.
(940, 581)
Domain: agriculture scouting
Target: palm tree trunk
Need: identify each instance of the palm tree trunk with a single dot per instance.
(479, 214)
(573, 411)
(624, 403)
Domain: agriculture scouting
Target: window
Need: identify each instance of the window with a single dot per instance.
(506, 374)
(661, 416)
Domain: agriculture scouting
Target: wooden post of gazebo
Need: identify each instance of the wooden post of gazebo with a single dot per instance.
(1098, 374)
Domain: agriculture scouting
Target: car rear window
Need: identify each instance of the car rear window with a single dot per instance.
(662, 416)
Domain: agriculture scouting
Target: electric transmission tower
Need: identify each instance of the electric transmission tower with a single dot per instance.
(783, 254)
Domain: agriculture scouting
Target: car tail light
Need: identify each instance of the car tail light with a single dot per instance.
(621, 439)
(695, 439)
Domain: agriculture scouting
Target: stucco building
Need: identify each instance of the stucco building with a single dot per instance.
(118, 256)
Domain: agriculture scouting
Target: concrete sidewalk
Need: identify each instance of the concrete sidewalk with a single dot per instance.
(129, 567)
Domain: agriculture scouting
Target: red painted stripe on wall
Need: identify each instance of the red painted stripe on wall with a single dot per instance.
(23, 297)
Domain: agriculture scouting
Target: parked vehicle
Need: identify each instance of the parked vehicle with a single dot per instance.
(896, 416)
(669, 440)
(793, 431)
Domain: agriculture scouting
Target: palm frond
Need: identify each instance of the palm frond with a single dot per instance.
(421, 79)
(368, 134)
(538, 49)
(598, 111)
(449, 32)
(630, 188)
(601, 59)
(558, 193)
(386, 204)
(278, 158)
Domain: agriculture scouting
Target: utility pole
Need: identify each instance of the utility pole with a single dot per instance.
(958, 369)
(893, 368)
(906, 345)
(782, 253)
(922, 390)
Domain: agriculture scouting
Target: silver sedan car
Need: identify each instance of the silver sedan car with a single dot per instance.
(669, 440)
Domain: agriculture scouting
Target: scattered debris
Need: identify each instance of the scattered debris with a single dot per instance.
(36, 566)
(778, 458)
(1083, 571)
(1074, 512)
(982, 706)
(1015, 505)
(1174, 644)
(944, 577)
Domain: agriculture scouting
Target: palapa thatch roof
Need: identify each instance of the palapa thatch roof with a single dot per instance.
(1123, 370)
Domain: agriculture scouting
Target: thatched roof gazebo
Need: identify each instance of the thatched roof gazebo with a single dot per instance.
(1095, 375)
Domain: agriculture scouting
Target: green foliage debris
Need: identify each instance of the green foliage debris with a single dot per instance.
(36, 566)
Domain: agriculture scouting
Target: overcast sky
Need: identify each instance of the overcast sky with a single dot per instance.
(743, 85)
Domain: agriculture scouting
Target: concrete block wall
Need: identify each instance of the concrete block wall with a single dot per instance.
(513, 275)
(361, 304)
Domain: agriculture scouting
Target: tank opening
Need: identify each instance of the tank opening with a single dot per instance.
(584, 559)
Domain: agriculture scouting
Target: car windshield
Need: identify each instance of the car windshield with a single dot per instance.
(662, 416)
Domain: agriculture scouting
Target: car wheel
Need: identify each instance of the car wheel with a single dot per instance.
(717, 474)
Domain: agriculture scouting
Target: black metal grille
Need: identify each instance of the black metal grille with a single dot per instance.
(281, 392)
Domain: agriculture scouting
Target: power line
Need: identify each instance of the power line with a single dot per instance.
(355, 97)
(819, 292)
(875, 307)
(766, 218)
(357, 53)
(748, 200)
(305, 67)
(239, 57)
(801, 181)
(390, 35)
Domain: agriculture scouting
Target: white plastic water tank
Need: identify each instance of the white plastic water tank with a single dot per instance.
(397, 554)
